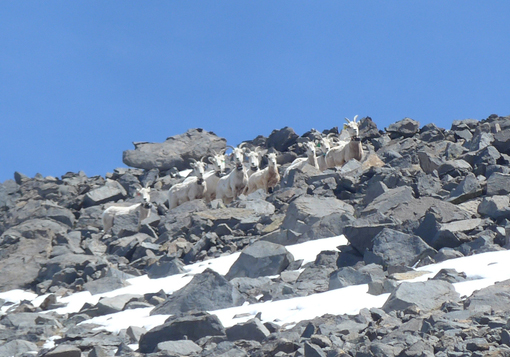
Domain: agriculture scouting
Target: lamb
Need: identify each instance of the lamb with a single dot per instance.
(310, 159)
(266, 178)
(232, 185)
(143, 209)
(212, 177)
(191, 188)
(346, 150)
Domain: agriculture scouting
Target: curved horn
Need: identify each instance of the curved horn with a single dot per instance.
(192, 159)
(347, 120)
(355, 117)
(331, 134)
(240, 146)
(229, 146)
(202, 158)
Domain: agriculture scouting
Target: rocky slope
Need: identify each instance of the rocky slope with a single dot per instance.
(421, 195)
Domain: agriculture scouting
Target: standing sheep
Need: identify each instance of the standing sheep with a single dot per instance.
(191, 188)
(349, 148)
(232, 185)
(213, 177)
(143, 209)
(266, 178)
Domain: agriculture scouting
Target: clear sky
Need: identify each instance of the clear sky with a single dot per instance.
(81, 80)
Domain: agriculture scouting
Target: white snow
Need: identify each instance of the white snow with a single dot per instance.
(487, 268)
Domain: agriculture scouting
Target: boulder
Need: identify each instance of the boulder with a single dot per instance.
(492, 298)
(426, 296)
(350, 276)
(394, 248)
(24, 248)
(498, 184)
(179, 348)
(205, 292)
(495, 207)
(253, 329)
(18, 347)
(191, 326)
(282, 139)
(361, 231)
(467, 189)
(111, 191)
(175, 151)
(406, 127)
(262, 258)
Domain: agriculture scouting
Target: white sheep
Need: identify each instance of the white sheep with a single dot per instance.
(254, 158)
(324, 144)
(266, 178)
(143, 209)
(348, 148)
(212, 177)
(193, 187)
(232, 185)
(310, 159)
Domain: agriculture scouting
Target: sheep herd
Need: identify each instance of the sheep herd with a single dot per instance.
(217, 184)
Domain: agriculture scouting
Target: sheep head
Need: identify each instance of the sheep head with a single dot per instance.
(352, 127)
(218, 162)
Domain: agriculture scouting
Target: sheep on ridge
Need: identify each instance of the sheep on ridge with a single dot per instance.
(232, 185)
(349, 148)
(266, 178)
(213, 177)
(310, 159)
(193, 187)
(143, 209)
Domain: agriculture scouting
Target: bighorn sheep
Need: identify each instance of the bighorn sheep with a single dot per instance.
(143, 209)
(324, 144)
(266, 178)
(310, 159)
(191, 188)
(232, 185)
(212, 177)
(346, 150)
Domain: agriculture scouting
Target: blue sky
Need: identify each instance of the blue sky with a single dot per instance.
(81, 80)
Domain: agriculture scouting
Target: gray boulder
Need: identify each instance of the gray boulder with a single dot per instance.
(64, 351)
(389, 200)
(350, 276)
(18, 347)
(502, 141)
(262, 258)
(361, 231)
(306, 211)
(205, 292)
(24, 249)
(252, 329)
(394, 248)
(175, 151)
(426, 296)
(406, 127)
(498, 184)
(467, 189)
(191, 326)
(282, 139)
(492, 298)
(179, 348)
(495, 207)
(111, 191)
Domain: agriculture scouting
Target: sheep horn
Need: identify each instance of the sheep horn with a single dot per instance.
(240, 146)
(202, 158)
(347, 120)
(229, 146)
(356, 117)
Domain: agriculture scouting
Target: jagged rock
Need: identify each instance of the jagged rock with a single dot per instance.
(502, 141)
(262, 258)
(431, 133)
(368, 129)
(18, 347)
(191, 326)
(205, 292)
(426, 296)
(165, 266)
(388, 200)
(498, 184)
(24, 249)
(312, 350)
(428, 162)
(492, 298)
(454, 168)
(282, 139)
(349, 276)
(64, 351)
(306, 211)
(495, 207)
(111, 191)
(252, 329)
(450, 275)
(110, 305)
(175, 151)
(406, 127)
(180, 347)
(394, 248)
(467, 189)
(361, 232)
